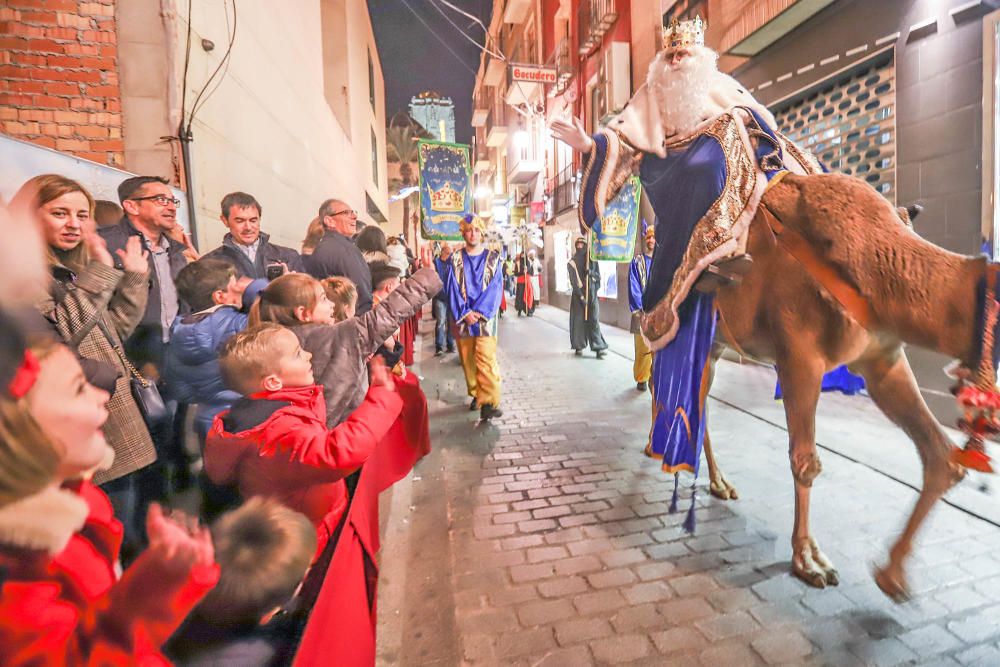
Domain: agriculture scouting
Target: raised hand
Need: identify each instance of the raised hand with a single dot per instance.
(96, 247)
(426, 256)
(178, 540)
(134, 257)
(380, 376)
(572, 133)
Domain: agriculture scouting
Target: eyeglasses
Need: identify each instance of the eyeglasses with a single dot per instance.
(162, 200)
(347, 211)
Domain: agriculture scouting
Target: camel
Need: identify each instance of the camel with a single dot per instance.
(779, 313)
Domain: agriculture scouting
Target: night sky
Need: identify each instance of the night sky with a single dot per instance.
(415, 60)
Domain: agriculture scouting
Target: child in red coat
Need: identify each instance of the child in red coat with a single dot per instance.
(61, 599)
(275, 442)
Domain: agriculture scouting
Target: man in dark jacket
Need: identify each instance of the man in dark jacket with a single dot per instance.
(150, 212)
(336, 254)
(245, 246)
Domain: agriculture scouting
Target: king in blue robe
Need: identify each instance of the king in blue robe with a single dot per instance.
(704, 182)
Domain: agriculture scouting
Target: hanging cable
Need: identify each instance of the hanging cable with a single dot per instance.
(438, 37)
(223, 62)
(227, 57)
(489, 38)
(485, 49)
(187, 61)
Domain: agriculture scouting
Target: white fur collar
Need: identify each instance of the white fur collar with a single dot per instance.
(641, 125)
(45, 521)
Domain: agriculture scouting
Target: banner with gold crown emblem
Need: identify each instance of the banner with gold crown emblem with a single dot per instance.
(613, 237)
(445, 189)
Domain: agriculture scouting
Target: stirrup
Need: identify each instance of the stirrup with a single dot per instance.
(724, 273)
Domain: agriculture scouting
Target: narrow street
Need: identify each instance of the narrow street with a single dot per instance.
(545, 538)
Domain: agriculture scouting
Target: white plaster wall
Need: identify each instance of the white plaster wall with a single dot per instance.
(268, 129)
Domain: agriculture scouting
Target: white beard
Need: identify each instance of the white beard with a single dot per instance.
(684, 93)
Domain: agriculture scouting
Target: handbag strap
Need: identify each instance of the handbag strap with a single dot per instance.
(121, 354)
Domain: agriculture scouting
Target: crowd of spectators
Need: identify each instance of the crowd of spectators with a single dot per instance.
(137, 374)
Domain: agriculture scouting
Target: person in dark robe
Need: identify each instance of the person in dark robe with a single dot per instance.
(584, 309)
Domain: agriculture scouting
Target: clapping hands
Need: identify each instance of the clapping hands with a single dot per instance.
(178, 540)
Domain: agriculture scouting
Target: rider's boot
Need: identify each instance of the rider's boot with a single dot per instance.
(725, 272)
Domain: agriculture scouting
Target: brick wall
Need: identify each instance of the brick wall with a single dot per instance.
(59, 77)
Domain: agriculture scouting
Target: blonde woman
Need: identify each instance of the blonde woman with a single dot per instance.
(94, 306)
(61, 597)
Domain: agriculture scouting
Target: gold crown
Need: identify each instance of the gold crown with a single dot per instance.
(447, 198)
(614, 224)
(685, 34)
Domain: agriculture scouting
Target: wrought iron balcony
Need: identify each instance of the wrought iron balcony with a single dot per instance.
(595, 18)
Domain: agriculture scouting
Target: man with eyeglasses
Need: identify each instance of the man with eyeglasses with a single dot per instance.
(150, 213)
(336, 254)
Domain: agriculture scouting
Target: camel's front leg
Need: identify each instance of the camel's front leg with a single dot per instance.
(801, 379)
(717, 482)
(893, 388)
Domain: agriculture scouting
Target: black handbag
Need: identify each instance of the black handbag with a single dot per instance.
(146, 394)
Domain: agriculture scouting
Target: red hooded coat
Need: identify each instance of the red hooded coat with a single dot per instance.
(61, 601)
(283, 449)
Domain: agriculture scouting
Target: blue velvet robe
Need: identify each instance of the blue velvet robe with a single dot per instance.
(475, 283)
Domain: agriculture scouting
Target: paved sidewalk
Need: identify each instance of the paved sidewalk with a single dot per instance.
(545, 538)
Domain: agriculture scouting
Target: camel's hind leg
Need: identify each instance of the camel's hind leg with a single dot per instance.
(893, 388)
(717, 482)
(801, 377)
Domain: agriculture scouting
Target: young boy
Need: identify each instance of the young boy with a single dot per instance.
(274, 441)
(215, 295)
(264, 550)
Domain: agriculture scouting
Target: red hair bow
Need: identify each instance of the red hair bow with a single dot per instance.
(24, 378)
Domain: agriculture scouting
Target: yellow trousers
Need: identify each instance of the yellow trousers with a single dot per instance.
(479, 361)
(643, 364)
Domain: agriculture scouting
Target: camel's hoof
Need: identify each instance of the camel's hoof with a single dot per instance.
(814, 578)
(895, 588)
(812, 566)
(723, 490)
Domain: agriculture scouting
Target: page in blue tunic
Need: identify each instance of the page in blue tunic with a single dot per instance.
(478, 298)
(636, 283)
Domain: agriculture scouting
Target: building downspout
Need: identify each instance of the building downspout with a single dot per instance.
(186, 138)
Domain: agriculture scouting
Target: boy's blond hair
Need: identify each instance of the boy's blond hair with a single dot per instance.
(342, 292)
(249, 356)
(264, 550)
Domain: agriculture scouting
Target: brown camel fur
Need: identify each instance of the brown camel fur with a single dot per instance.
(919, 293)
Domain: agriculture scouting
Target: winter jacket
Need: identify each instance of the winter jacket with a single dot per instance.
(277, 444)
(336, 255)
(192, 364)
(146, 342)
(61, 600)
(267, 253)
(340, 352)
(74, 306)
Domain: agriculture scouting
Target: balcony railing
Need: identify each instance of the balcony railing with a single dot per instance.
(561, 60)
(595, 18)
(564, 194)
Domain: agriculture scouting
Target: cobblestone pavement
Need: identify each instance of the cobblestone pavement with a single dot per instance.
(545, 538)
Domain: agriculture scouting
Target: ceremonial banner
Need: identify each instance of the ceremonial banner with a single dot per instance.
(445, 189)
(614, 232)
